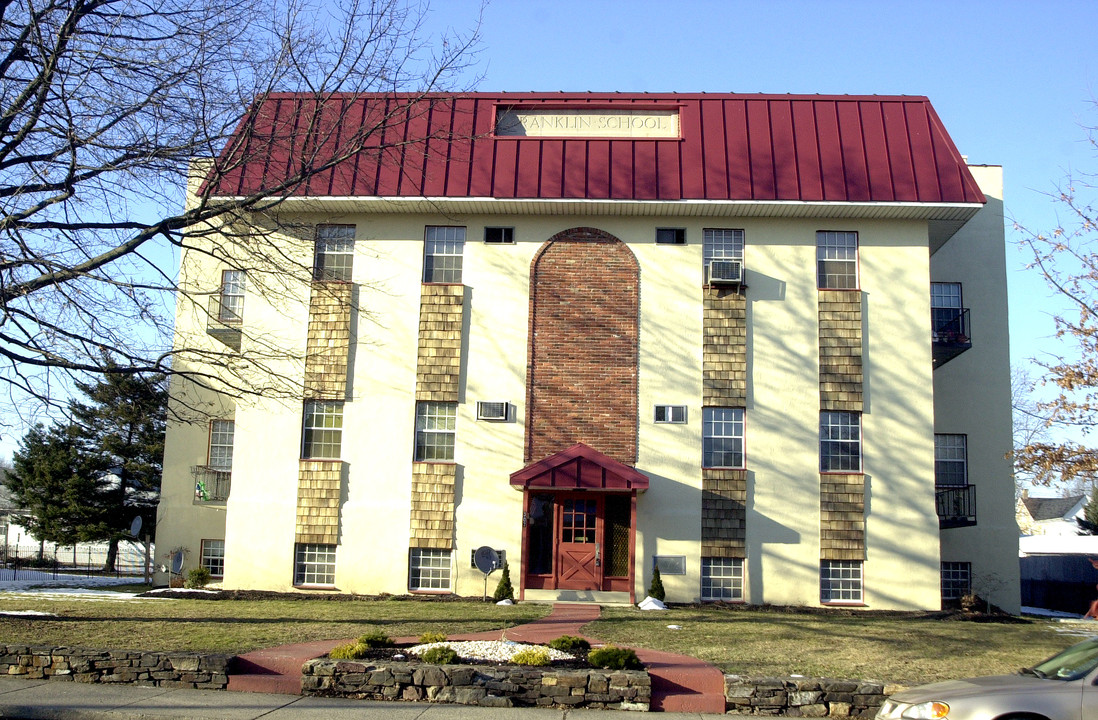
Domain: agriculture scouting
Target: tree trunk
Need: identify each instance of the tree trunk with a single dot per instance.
(112, 556)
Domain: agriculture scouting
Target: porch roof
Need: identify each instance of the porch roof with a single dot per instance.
(580, 467)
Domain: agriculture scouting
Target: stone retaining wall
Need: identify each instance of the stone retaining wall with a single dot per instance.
(173, 670)
(487, 686)
(804, 697)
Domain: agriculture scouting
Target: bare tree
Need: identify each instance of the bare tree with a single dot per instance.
(105, 105)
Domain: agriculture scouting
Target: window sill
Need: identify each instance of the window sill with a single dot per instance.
(723, 467)
(841, 603)
(842, 472)
(434, 462)
(430, 592)
(424, 282)
(741, 601)
(331, 588)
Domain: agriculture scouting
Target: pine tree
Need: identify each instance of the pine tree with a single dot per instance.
(656, 589)
(504, 590)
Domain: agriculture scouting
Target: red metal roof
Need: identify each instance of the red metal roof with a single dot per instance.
(580, 467)
(809, 148)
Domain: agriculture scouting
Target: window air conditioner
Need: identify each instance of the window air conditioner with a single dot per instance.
(722, 272)
(493, 410)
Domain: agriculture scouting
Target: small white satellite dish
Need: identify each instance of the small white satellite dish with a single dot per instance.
(135, 526)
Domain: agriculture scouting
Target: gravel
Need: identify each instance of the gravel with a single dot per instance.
(491, 650)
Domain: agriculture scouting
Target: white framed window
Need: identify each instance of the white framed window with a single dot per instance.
(499, 235)
(334, 253)
(722, 578)
(442, 253)
(429, 569)
(213, 557)
(947, 321)
(836, 260)
(670, 564)
(670, 414)
(722, 437)
(314, 564)
(950, 460)
(670, 236)
(840, 581)
(221, 444)
(721, 244)
(322, 432)
(230, 307)
(840, 442)
(436, 425)
(956, 580)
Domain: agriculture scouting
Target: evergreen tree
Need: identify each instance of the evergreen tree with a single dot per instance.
(504, 589)
(656, 589)
(1090, 514)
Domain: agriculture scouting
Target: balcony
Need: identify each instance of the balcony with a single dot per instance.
(956, 506)
(950, 333)
(211, 484)
(223, 321)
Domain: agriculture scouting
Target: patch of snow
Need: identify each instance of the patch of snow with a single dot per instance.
(651, 603)
(495, 650)
(27, 613)
(505, 601)
(674, 627)
(167, 591)
(33, 579)
(1042, 612)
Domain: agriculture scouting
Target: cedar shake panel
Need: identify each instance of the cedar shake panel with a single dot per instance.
(438, 361)
(432, 516)
(840, 340)
(724, 347)
(329, 341)
(724, 513)
(842, 517)
(319, 492)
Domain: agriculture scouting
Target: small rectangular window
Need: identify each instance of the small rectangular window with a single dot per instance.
(334, 253)
(956, 580)
(436, 424)
(322, 435)
(722, 437)
(213, 557)
(443, 247)
(221, 444)
(840, 442)
(670, 564)
(314, 564)
(840, 581)
(671, 236)
(947, 313)
(836, 260)
(950, 460)
(231, 302)
(671, 413)
(499, 235)
(429, 569)
(722, 579)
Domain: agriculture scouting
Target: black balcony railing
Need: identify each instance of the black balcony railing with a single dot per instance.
(950, 333)
(956, 506)
(224, 320)
(211, 484)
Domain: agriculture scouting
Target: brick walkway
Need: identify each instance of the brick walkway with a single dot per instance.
(679, 683)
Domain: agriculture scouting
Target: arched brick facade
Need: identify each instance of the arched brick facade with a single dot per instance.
(582, 358)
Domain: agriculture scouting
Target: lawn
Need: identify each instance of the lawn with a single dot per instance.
(885, 647)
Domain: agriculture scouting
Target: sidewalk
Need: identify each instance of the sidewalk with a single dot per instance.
(54, 700)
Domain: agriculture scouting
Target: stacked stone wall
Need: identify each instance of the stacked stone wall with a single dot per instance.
(804, 697)
(169, 670)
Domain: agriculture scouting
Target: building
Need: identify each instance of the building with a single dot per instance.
(1050, 515)
(758, 340)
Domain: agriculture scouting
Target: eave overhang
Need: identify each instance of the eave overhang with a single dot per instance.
(580, 467)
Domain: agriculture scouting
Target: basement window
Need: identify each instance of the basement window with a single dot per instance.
(499, 235)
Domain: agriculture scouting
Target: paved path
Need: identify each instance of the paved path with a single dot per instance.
(679, 683)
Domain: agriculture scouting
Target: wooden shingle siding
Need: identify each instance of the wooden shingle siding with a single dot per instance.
(840, 316)
(433, 506)
(842, 517)
(438, 365)
(329, 341)
(724, 350)
(319, 489)
(724, 513)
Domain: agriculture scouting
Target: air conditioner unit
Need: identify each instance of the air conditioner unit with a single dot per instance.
(493, 410)
(725, 272)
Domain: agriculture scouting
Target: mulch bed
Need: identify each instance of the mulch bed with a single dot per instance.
(389, 655)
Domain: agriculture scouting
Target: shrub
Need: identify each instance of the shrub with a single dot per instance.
(615, 658)
(375, 639)
(440, 655)
(535, 656)
(568, 643)
(349, 651)
(198, 577)
(432, 637)
(504, 591)
(656, 589)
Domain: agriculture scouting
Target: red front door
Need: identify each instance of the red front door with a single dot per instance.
(579, 549)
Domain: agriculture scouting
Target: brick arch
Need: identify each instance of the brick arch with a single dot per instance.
(581, 374)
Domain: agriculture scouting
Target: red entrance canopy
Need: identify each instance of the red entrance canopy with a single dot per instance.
(580, 467)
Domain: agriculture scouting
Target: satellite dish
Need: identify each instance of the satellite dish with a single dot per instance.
(486, 559)
(177, 563)
(135, 526)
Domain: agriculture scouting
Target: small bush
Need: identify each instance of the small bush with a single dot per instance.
(534, 656)
(504, 590)
(432, 637)
(568, 643)
(441, 655)
(349, 651)
(198, 577)
(615, 658)
(656, 589)
(376, 639)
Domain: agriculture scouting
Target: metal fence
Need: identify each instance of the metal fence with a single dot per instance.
(86, 558)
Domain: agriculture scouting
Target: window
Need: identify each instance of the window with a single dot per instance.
(435, 425)
(442, 250)
(671, 414)
(946, 312)
(950, 460)
(671, 236)
(213, 557)
(314, 564)
(221, 444)
(335, 248)
(836, 260)
(840, 442)
(231, 303)
(670, 564)
(722, 437)
(429, 569)
(840, 581)
(323, 430)
(721, 244)
(499, 235)
(722, 578)
(956, 580)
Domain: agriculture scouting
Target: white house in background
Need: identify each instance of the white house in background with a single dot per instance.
(1050, 515)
